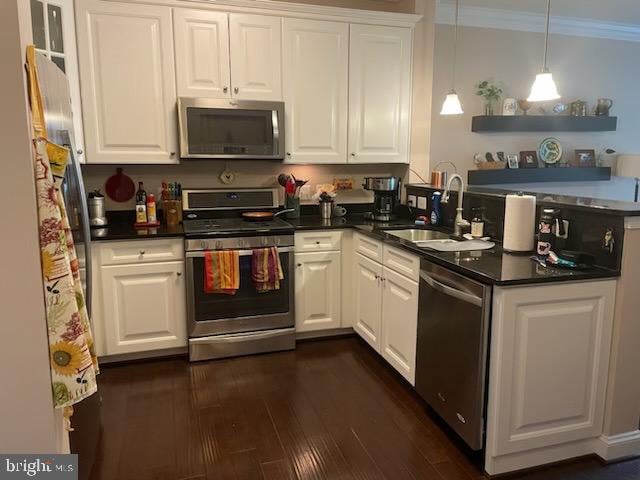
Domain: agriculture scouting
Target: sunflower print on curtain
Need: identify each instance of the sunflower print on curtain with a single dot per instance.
(72, 357)
(73, 362)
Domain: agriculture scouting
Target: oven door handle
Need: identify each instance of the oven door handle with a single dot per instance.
(242, 253)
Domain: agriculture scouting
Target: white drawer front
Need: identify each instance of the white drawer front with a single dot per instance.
(368, 247)
(318, 241)
(141, 251)
(402, 262)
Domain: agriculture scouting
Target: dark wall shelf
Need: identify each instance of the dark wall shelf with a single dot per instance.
(538, 175)
(542, 123)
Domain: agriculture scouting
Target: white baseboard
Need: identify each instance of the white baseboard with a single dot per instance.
(618, 446)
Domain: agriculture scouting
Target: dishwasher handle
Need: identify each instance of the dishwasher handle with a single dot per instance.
(452, 292)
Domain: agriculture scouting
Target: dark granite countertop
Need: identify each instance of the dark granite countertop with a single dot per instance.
(121, 227)
(489, 266)
(494, 266)
(613, 207)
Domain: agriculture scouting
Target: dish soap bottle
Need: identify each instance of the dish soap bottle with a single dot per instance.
(436, 215)
(477, 223)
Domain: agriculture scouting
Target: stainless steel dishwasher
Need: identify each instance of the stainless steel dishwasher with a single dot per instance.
(451, 361)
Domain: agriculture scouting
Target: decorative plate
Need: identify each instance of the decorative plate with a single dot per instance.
(550, 151)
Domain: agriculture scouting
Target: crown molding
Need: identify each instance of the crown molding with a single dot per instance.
(502, 19)
(289, 9)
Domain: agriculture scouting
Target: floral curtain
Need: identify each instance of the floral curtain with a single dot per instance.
(73, 362)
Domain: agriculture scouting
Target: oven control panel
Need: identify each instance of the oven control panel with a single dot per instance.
(239, 243)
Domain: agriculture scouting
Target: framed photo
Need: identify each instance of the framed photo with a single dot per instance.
(512, 160)
(528, 159)
(584, 159)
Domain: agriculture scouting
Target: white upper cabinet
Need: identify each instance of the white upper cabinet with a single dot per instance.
(127, 82)
(256, 58)
(315, 78)
(54, 34)
(379, 94)
(202, 53)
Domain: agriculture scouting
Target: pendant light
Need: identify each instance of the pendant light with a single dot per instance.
(451, 105)
(544, 88)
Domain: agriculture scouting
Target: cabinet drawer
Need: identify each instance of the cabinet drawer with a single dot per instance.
(402, 262)
(368, 247)
(320, 241)
(141, 251)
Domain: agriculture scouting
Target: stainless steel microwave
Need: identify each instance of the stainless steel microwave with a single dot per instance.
(231, 129)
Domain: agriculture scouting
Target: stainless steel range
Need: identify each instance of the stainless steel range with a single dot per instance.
(248, 322)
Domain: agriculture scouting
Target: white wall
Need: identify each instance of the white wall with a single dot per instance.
(27, 420)
(584, 68)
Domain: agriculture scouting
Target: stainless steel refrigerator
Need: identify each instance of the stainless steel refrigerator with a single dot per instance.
(58, 115)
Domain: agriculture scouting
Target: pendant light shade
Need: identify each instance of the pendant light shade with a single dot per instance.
(544, 88)
(451, 105)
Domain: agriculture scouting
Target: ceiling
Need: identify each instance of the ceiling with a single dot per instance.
(618, 11)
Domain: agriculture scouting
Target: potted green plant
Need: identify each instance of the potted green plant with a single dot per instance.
(491, 94)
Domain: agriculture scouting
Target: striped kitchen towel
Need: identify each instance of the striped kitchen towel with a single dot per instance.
(266, 270)
(222, 271)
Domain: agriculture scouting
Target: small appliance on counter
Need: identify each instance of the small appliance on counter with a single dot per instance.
(97, 211)
(386, 195)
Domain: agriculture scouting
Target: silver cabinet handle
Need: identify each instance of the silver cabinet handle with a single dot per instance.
(172, 154)
(142, 252)
(179, 274)
(353, 154)
(299, 265)
(236, 90)
(225, 89)
(79, 151)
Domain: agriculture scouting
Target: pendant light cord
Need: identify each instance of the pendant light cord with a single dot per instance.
(546, 37)
(455, 46)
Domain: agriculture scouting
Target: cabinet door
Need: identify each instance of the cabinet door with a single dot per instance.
(144, 307)
(368, 297)
(127, 82)
(256, 58)
(54, 34)
(399, 323)
(549, 363)
(315, 90)
(318, 288)
(379, 94)
(202, 53)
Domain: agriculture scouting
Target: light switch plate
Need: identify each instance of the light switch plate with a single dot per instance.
(422, 203)
(411, 201)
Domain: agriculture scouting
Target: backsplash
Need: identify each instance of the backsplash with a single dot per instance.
(248, 174)
(586, 227)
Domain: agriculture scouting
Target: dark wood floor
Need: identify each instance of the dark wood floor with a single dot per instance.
(330, 410)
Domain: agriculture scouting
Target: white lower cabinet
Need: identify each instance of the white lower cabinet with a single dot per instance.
(368, 298)
(318, 291)
(387, 312)
(548, 372)
(399, 322)
(144, 307)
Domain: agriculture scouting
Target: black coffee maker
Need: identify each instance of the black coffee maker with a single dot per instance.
(550, 231)
(386, 195)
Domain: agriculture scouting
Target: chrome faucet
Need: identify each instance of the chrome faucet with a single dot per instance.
(460, 222)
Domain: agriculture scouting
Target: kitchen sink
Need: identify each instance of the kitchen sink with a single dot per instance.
(416, 235)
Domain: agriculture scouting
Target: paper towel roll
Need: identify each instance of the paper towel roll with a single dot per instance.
(519, 223)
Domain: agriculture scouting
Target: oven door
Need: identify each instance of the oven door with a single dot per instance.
(227, 129)
(247, 310)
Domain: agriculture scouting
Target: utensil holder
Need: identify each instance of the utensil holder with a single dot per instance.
(293, 203)
(326, 210)
(172, 211)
